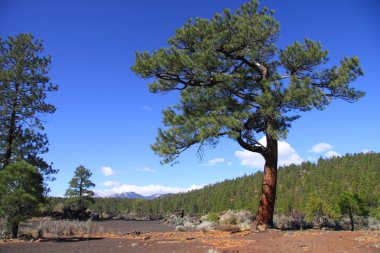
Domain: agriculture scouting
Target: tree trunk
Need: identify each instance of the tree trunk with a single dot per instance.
(268, 190)
(9, 141)
(352, 221)
(14, 229)
(11, 131)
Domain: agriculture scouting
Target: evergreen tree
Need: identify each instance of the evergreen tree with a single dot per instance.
(228, 71)
(79, 187)
(21, 190)
(318, 209)
(349, 205)
(24, 84)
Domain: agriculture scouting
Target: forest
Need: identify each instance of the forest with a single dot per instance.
(298, 185)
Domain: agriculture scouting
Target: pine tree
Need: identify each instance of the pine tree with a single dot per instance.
(349, 205)
(79, 187)
(228, 71)
(21, 190)
(24, 84)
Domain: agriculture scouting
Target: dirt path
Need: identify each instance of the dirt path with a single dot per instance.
(208, 242)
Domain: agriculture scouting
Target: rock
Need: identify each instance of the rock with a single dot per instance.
(95, 217)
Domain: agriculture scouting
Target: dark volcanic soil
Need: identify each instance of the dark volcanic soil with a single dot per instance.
(156, 237)
(103, 245)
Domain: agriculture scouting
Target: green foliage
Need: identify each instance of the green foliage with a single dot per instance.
(21, 190)
(327, 180)
(318, 207)
(79, 192)
(228, 70)
(24, 84)
(350, 204)
(213, 217)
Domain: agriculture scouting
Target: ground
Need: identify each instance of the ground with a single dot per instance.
(230, 241)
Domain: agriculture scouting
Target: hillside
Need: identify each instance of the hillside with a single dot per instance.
(327, 178)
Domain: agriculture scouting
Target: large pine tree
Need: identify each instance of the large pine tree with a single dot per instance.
(24, 84)
(228, 70)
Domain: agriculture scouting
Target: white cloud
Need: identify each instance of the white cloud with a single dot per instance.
(146, 190)
(286, 155)
(146, 108)
(145, 169)
(107, 171)
(332, 153)
(366, 150)
(110, 183)
(321, 147)
(250, 159)
(215, 161)
(229, 163)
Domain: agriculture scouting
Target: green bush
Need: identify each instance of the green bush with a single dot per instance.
(213, 217)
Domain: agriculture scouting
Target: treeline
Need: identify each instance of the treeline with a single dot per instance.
(328, 179)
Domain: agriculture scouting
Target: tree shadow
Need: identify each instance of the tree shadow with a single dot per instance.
(70, 239)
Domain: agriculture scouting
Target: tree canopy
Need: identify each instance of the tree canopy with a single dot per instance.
(229, 72)
(24, 84)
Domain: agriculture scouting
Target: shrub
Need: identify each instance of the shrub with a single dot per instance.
(228, 218)
(373, 223)
(243, 217)
(291, 221)
(213, 217)
(68, 228)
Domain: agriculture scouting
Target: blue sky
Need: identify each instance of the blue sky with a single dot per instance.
(107, 119)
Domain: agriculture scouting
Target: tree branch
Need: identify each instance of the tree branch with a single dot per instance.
(253, 148)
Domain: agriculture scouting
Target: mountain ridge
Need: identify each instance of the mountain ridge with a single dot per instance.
(134, 195)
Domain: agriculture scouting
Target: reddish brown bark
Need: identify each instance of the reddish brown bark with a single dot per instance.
(268, 190)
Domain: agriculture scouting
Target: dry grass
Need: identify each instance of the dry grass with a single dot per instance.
(38, 228)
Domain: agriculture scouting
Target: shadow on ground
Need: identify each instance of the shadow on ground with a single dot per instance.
(71, 239)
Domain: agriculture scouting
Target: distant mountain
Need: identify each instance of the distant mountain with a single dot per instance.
(134, 195)
(154, 196)
(129, 195)
(159, 196)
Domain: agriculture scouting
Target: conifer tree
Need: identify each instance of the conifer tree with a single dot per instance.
(24, 84)
(80, 185)
(349, 205)
(21, 190)
(235, 82)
